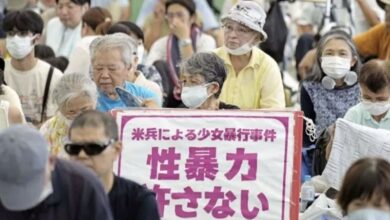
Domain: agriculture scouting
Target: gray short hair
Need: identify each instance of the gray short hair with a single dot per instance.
(73, 85)
(126, 44)
(208, 65)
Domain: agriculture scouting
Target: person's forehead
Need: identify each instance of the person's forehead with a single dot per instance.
(108, 54)
(234, 23)
(177, 8)
(65, 2)
(88, 133)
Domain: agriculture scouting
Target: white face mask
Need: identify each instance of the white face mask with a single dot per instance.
(243, 49)
(19, 47)
(194, 96)
(335, 67)
(369, 214)
(376, 108)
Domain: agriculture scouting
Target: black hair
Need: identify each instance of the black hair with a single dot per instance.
(96, 119)
(79, 2)
(128, 28)
(43, 51)
(188, 4)
(24, 20)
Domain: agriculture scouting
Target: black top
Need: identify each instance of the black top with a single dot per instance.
(77, 195)
(308, 108)
(132, 201)
(223, 105)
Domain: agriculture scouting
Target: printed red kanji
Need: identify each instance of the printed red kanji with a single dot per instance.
(190, 195)
(203, 134)
(161, 199)
(238, 158)
(256, 135)
(163, 166)
(201, 163)
(243, 134)
(151, 133)
(216, 134)
(229, 134)
(220, 211)
(269, 134)
(138, 134)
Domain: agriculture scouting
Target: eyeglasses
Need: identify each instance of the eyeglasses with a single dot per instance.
(90, 149)
(228, 28)
(170, 16)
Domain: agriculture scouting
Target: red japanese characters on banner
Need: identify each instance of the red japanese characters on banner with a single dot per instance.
(214, 165)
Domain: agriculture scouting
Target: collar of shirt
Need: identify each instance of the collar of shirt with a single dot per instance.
(367, 116)
(254, 61)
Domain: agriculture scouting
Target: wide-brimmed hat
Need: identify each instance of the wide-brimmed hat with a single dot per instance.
(249, 14)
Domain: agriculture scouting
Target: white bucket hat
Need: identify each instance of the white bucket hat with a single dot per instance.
(250, 14)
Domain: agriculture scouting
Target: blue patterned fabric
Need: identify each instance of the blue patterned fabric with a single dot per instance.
(329, 105)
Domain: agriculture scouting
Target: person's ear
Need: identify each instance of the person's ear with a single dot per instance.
(36, 39)
(353, 61)
(118, 146)
(213, 88)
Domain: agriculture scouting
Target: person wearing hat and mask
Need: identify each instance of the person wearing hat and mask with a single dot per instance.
(34, 185)
(32, 79)
(254, 80)
(185, 39)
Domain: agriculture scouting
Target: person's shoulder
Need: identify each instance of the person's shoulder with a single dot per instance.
(54, 21)
(130, 189)
(138, 90)
(355, 112)
(45, 67)
(73, 172)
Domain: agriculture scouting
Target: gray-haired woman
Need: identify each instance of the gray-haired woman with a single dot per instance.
(73, 94)
(202, 77)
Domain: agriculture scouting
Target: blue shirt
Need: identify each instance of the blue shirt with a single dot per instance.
(358, 115)
(106, 104)
(208, 17)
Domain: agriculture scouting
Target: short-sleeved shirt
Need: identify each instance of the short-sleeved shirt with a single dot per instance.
(375, 42)
(258, 85)
(358, 115)
(106, 104)
(132, 201)
(30, 86)
(77, 195)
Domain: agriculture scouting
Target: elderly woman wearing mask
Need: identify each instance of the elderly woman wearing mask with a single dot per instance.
(74, 93)
(254, 79)
(202, 77)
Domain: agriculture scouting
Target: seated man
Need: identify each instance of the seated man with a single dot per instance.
(113, 62)
(202, 77)
(94, 143)
(33, 185)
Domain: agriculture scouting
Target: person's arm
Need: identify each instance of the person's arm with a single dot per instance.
(125, 10)
(307, 63)
(153, 26)
(367, 43)
(368, 12)
(15, 115)
(272, 92)
(183, 33)
(308, 110)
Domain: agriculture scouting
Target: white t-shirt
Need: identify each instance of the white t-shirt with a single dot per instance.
(60, 38)
(158, 51)
(30, 86)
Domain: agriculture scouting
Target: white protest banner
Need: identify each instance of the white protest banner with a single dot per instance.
(215, 164)
(352, 142)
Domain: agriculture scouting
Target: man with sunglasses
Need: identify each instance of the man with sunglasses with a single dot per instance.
(94, 142)
(33, 185)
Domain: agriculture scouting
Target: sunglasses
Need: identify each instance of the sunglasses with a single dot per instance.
(90, 149)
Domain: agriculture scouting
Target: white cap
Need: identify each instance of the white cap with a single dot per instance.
(250, 14)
